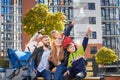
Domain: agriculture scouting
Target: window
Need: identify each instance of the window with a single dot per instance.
(93, 35)
(41, 1)
(93, 49)
(92, 20)
(91, 6)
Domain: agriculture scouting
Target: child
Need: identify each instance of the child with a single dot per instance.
(76, 62)
(65, 36)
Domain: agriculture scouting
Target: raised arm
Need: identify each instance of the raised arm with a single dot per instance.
(69, 28)
(36, 34)
(86, 38)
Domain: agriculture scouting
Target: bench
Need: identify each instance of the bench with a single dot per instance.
(87, 78)
(92, 78)
(40, 78)
(91, 68)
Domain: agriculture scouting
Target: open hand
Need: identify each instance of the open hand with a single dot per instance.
(41, 30)
(72, 23)
(89, 31)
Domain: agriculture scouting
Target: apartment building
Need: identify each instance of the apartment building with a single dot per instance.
(10, 25)
(110, 15)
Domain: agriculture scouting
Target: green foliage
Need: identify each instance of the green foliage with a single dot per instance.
(4, 63)
(105, 56)
(40, 17)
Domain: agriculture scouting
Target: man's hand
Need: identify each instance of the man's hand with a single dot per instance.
(35, 71)
(41, 30)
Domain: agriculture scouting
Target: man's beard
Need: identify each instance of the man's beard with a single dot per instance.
(47, 46)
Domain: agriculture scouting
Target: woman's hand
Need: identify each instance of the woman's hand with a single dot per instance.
(49, 58)
(53, 70)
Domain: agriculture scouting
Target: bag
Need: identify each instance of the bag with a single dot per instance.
(18, 74)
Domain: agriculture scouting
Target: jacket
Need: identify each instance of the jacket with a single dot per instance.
(63, 62)
(78, 66)
(74, 66)
(32, 44)
(65, 36)
(36, 56)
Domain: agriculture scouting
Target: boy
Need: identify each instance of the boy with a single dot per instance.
(76, 62)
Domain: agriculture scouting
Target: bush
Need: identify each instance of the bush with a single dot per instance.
(105, 56)
(4, 63)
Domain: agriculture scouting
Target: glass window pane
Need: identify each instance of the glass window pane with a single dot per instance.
(91, 6)
(92, 20)
(93, 49)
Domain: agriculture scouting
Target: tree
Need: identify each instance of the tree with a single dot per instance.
(105, 56)
(40, 17)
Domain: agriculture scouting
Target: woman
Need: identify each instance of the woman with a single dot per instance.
(57, 59)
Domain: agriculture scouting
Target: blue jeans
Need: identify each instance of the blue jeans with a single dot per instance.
(58, 75)
(45, 74)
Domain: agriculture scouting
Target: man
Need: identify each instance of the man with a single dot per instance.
(40, 58)
(34, 42)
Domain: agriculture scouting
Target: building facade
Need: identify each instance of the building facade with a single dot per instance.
(110, 14)
(10, 25)
(87, 14)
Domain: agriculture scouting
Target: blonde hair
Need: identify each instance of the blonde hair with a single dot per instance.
(55, 58)
(53, 32)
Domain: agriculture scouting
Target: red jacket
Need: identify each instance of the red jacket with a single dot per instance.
(66, 41)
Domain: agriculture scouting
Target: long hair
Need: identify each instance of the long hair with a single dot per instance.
(56, 58)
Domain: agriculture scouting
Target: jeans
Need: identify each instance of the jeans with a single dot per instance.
(58, 75)
(45, 74)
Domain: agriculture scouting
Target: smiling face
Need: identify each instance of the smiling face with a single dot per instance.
(55, 34)
(57, 42)
(71, 48)
(46, 41)
(38, 39)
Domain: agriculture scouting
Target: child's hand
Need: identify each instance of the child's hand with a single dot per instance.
(67, 73)
(88, 31)
(72, 23)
